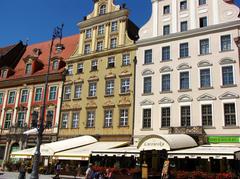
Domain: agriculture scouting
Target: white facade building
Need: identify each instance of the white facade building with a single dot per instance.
(187, 71)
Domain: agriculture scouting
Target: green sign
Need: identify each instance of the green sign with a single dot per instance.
(224, 139)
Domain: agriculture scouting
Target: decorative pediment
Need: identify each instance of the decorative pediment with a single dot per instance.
(79, 80)
(185, 98)
(68, 82)
(229, 95)
(21, 108)
(110, 75)
(183, 66)
(56, 58)
(204, 63)
(125, 73)
(51, 105)
(147, 72)
(165, 69)
(146, 102)
(93, 78)
(225, 61)
(108, 104)
(30, 59)
(206, 97)
(91, 104)
(165, 100)
(124, 101)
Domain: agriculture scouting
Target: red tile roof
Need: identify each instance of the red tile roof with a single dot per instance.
(5, 50)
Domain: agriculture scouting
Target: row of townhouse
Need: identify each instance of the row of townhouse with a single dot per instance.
(178, 72)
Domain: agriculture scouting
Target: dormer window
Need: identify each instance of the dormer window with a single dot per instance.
(4, 73)
(28, 69)
(55, 65)
(102, 10)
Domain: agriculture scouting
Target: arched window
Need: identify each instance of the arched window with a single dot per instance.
(103, 9)
(28, 69)
(55, 65)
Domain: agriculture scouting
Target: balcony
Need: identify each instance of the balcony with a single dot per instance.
(17, 129)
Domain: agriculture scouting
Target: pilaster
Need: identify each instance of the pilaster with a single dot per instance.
(107, 35)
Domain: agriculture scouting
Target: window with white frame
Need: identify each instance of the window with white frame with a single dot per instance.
(123, 117)
(113, 43)
(114, 26)
(75, 120)
(148, 56)
(184, 26)
(90, 119)
(79, 68)
(202, 2)
(21, 119)
(67, 92)
(99, 46)
(88, 33)
(229, 114)
(166, 83)
(101, 30)
(166, 9)
(204, 46)
(147, 85)
(8, 120)
(65, 120)
(55, 65)
(78, 90)
(94, 65)
(52, 93)
(70, 70)
(38, 94)
(108, 118)
(1, 98)
(184, 80)
(24, 96)
(206, 110)
(11, 97)
(205, 78)
(185, 116)
(184, 50)
(183, 5)
(125, 59)
(92, 92)
(227, 75)
(103, 9)
(125, 85)
(87, 49)
(203, 22)
(166, 53)
(4, 73)
(109, 87)
(166, 29)
(165, 116)
(225, 43)
(28, 69)
(147, 118)
(111, 62)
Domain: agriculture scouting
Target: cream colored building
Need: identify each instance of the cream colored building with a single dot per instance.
(187, 72)
(98, 91)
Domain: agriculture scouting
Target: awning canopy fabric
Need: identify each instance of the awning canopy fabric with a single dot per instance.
(206, 152)
(50, 149)
(83, 153)
(123, 151)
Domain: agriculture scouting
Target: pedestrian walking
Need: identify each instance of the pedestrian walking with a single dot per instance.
(22, 171)
(89, 172)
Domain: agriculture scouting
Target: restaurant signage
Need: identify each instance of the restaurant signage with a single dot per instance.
(224, 139)
(154, 143)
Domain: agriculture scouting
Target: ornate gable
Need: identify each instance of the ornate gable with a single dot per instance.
(165, 100)
(229, 95)
(146, 102)
(206, 97)
(185, 98)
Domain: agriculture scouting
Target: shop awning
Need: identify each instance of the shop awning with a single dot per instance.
(50, 149)
(83, 153)
(123, 151)
(207, 151)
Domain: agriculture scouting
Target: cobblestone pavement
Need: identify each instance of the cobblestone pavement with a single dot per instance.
(14, 175)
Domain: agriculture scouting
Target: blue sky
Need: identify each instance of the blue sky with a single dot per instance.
(34, 20)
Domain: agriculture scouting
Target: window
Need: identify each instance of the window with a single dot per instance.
(125, 85)
(147, 85)
(113, 43)
(184, 50)
(4, 73)
(165, 82)
(225, 42)
(108, 117)
(126, 59)
(78, 91)
(67, 92)
(49, 122)
(184, 80)
(34, 122)
(24, 96)
(28, 69)
(114, 26)
(102, 9)
(8, 119)
(184, 26)
(185, 116)
(109, 87)
(205, 79)
(94, 65)
(1, 98)
(100, 29)
(227, 75)
(64, 120)
(21, 118)
(80, 68)
(204, 46)
(111, 62)
(183, 5)
(99, 46)
(203, 22)
(90, 119)
(229, 114)
(55, 65)
(38, 94)
(202, 2)
(166, 9)
(207, 115)
(165, 116)
(92, 89)
(166, 53)
(11, 97)
(70, 69)
(75, 120)
(88, 33)
(166, 29)
(123, 117)
(148, 56)
(87, 49)
(146, 118)
(53, 92)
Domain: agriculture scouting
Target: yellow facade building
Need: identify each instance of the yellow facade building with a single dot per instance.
(98, 95)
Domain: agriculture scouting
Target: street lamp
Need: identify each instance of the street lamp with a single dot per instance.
(57, 33)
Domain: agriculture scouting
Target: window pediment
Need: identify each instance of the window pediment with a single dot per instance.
(225, 61)
(183, 66)
(204, 63)
(165, 69)
(91, 104)
(229, 95)
(108, 104)
(185, 98)
(165, 100)
(147, 102)
(206, 97)
(125, 101)
(147, 72)
(93, 78)
(125, 73)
